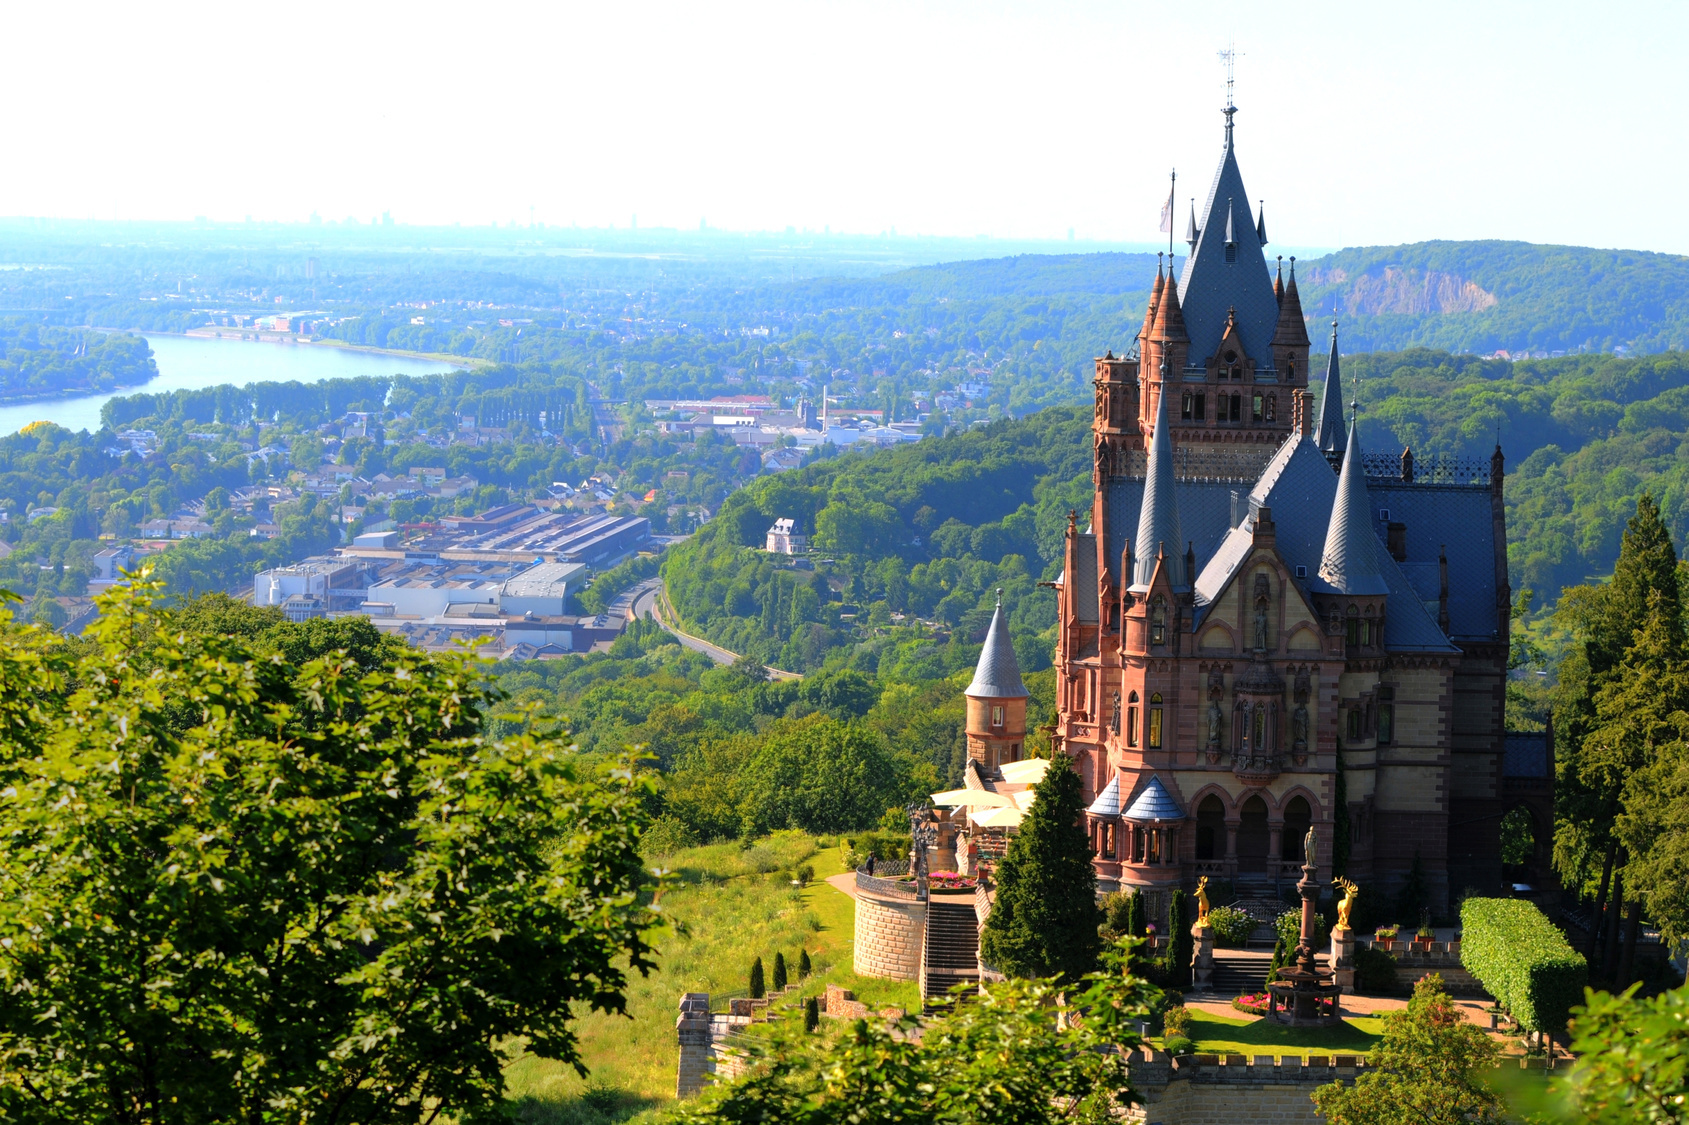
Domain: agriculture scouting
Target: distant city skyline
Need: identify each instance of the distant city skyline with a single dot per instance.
(1356, 125)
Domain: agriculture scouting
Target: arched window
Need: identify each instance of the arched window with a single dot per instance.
(1132, 719)
(1155, 721)
(1257, 408)
(996, 715)
(1158, 621)
(1272, 408)
(1244, 727)
(1260, 729)
(1237, 408)
(1114, 714)
(1352, 627)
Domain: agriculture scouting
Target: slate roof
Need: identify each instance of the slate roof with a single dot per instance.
(1458, 521)
(1329, 436)
(1349, 561)
(1210, 286)
(1153, 802)
(1108, 801)
(1158, 516)
(1299, 487)
(997, 675)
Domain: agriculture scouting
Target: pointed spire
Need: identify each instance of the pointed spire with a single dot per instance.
(1158, 518)
(1329, 437)
(1278, 281)
(1154, 299)
(1261, 222)
(1169, 321)
(1292, 329)
(1231, 235)
(1190, 231)
(997, 675)
(1350, 560)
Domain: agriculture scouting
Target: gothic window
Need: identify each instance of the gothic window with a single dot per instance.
(1154, 731)
(1114, 715)
(1272, 407)
(1137, 844)
(1259, 406)
(1200, 404)
(1132, 720)
(1237, 408)
(1260, 729)
(1290, 371)
(1386, 713)
(1354, 724)
(996, 716)
(1158, 621)
(1185, 407)
(1352, 627)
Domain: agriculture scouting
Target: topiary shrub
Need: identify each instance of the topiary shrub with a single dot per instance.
(1523, 960)
(1179, 1045)
(1231, 925)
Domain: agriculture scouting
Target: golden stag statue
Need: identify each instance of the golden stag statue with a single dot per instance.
(1202, 903)
(1348, 902)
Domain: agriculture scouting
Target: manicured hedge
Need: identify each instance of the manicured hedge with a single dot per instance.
(1523, 960)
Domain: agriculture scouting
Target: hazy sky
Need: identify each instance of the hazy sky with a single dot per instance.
(1358, 124)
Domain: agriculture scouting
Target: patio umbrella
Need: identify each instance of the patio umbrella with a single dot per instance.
(973, 798)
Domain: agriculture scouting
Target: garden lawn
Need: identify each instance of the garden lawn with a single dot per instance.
(1220, 1035)
(732, 904)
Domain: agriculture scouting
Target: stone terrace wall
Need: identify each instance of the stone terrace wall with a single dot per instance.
(890, 933)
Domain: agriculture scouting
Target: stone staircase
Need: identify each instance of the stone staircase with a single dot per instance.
(1238, 971)
(952, 949)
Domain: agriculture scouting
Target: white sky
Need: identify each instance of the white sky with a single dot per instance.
(1359, 123)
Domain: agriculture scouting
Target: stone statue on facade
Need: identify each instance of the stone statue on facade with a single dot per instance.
(1215, 718)
(1310, 847)
(1261, 626)
(1299, 729)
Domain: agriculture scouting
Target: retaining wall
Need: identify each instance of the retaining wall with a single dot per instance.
(890, 935)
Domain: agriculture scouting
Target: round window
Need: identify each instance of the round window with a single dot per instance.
(1231, 357)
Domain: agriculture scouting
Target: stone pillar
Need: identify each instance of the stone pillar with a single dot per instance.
(1343, 959)
(1275, 847)
(692, 1028)
(1231, 846)
(1202, 957)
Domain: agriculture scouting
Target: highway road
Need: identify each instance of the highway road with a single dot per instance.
(642, 601)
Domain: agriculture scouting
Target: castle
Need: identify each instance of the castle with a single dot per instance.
(1263, 627)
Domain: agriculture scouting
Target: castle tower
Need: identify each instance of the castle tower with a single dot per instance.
(996, 722)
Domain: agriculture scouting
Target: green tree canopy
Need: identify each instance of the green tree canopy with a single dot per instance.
(1428, 1069)
(237, 889)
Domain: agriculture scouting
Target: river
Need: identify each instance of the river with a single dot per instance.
(190, 362)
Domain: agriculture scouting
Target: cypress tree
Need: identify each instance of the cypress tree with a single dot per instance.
(1135, 915)
(1044, 921)
(1179, 940)
(757, 989)
(811, 1014)
(803, 964)
(779, 971)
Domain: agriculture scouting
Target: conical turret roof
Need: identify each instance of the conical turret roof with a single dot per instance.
(1169, 320)
(1154, 301)
(1292, 330)
(1350, 560)
(1329, 437)
(1158, 518)
(997, 675)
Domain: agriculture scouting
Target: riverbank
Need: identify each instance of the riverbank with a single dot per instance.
(259, 337)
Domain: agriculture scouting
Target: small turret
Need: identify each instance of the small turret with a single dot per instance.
(1350, 559)
(996, 699)
(1158, 518)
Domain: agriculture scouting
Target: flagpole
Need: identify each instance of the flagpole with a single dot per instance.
(1172, 215)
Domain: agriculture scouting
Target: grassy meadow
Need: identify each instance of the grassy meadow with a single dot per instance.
(729, 903)
(1256, 1035)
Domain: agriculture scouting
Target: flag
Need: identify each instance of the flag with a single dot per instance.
(1167, 216)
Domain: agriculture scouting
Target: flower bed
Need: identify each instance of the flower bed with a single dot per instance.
(951, 881)
(1255, 1003)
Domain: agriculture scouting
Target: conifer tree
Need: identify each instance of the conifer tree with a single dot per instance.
(811, 1014)
(758, 991)
(779, 971)
(804, 966)
(1044, 921)
(1591, 771)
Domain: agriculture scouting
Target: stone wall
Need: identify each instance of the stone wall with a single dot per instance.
(889, 936)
